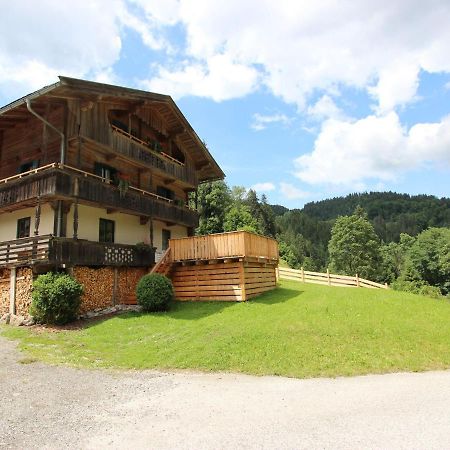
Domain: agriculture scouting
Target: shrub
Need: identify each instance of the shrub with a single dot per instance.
(56, 298)
(417, 287)
(154, 292)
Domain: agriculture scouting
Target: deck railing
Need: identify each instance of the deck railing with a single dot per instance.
(224, 245)
(25, 250)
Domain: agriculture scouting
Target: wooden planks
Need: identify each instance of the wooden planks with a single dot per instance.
(234, 281)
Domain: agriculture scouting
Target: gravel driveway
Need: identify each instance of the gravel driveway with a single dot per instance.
(57, 407)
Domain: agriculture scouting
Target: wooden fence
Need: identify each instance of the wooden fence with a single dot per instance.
(329, 279)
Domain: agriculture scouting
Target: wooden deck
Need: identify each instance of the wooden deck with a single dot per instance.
(233, 266)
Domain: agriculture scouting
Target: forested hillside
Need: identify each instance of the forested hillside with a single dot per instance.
(388, 237)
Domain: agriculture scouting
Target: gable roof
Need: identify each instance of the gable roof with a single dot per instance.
(68, 87)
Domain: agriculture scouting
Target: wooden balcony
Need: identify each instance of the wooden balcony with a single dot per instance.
(117, 142)
(49, 250)
(65, 182)
(233, 245)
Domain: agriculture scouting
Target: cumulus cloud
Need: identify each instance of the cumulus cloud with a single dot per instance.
(263, 187)
(45, 39)
(375, 147)
(293, 193)
(300, 48)
(260, 121)
(220, 78)
(325, 108)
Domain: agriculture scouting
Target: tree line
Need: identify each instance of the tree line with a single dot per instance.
(382, 236)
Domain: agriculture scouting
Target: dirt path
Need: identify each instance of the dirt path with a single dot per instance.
(56, 407)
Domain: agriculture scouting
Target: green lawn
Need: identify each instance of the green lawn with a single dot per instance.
(298, 330)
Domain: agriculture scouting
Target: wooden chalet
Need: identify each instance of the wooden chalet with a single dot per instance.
(94, 179)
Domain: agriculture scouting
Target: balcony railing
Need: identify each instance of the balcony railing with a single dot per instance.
(57, 251)
(56, 180)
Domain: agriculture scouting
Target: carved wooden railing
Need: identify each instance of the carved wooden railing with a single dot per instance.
(57, 251)
(56, 180)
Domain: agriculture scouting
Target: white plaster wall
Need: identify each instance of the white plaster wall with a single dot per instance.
(128, 229)
(8, 222)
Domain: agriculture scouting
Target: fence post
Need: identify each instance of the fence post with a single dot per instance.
(303, 275)
(277, 273)
(328, 277)
(386, 286)
(357, 281)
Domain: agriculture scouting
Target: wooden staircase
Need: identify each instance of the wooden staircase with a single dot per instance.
(164, 265)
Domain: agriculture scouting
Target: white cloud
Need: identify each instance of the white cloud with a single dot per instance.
(263, 187)
(293, 193)
(325, 108)
(376, 148)
(40, 40)
(300, 48)
(219, 78)
(260, 121)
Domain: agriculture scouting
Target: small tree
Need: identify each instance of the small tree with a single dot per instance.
(56, 298)
(428, 260)
(239, 218)
(154, 292)
(354, 247)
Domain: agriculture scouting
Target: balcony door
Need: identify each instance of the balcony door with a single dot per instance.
(165, 239)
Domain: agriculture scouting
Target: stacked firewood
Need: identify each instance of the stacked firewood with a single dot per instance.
(24, 284)
(98, 284)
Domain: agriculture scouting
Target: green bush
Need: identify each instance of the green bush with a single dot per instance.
(56, 298)
(154, 292)
(417, 287)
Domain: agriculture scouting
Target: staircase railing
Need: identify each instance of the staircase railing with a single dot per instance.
(165, 259)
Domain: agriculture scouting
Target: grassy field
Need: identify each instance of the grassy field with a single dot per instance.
(298, 330)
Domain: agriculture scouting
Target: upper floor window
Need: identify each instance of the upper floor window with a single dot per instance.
(106, 172)
(106, 230)
(30, 165)
(23, 227)
(164, 192)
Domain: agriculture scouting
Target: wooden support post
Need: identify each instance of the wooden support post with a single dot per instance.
(302, 273)
(328, 277)
(75, 219)
(277, 274)
(37, 216)
(12, 291)
(357, 281)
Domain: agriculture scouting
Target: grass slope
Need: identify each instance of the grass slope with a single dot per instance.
(298, 330)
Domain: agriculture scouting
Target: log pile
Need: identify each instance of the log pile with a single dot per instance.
(128, 278)
(4, 291)
(98, 284)
(24, 285)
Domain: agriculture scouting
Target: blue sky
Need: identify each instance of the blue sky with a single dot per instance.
(301, 101)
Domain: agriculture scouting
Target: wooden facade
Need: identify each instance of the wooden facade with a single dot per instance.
(118, 151)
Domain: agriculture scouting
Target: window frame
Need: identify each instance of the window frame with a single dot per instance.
(20, 228)
(103, 232)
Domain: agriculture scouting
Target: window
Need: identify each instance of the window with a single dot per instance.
(165, 239)
(164, 192)
(23, 227)
(30, 165)
(106, 172)
(106, 230)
